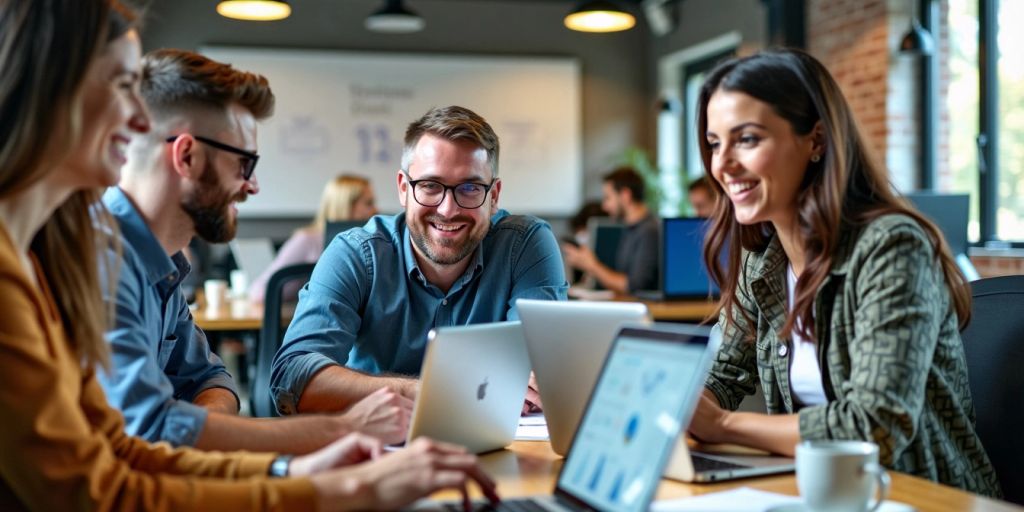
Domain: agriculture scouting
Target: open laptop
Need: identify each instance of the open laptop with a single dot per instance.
(683, 273)
(472, 386)
(645, 395)
(567, 343)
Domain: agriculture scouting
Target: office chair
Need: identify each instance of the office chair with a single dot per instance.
(994, 346)
(261, 403)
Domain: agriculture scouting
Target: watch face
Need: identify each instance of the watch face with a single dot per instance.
(279, 467)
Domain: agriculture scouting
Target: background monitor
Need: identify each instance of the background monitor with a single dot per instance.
(605, 235)
(332, 229)
(683, 274)
(951, 213)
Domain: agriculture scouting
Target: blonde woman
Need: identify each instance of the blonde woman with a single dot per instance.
(346, 197)
(69, 104)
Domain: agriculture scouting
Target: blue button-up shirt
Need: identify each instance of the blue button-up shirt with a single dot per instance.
(369, 307)
(161, 360)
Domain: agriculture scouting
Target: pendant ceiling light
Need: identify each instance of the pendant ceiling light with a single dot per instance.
(917, 40)
(599, 16)
(394, 18)
(254, 10)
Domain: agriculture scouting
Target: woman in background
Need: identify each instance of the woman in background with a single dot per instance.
(69, 105)
(842, 302)
(346, 197)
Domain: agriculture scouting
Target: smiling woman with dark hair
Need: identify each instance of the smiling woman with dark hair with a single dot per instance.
(839, 299)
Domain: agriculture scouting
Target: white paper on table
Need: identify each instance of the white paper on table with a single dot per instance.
(743, 499)
(532, 427)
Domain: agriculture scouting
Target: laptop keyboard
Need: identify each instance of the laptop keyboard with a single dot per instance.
(702, 464)
(513, 505)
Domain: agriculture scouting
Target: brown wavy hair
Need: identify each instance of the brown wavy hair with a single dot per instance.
(46, 48)
(846, 190)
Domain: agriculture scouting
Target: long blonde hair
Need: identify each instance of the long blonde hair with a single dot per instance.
(46, 48)
(338, 198)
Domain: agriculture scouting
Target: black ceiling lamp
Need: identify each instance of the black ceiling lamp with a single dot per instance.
(394, 18)
(917, 40)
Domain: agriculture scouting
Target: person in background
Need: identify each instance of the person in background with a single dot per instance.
(346, 197)
(702, 197)
(451, 258)
(69, 105)
(182, 179)
(839, 302)
(637, 259)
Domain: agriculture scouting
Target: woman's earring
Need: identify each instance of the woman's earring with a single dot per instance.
(815, 158)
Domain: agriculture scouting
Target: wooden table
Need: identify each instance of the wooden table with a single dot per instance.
(680, 310)
(530, 467)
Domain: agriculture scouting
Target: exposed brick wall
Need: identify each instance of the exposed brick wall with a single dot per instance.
(857, 41)
(851, 38)
(993, 266)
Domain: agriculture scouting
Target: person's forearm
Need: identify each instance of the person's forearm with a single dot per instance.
(217, 400)
(776, 433)
(610, 279)
(297, 435)
(335, 388)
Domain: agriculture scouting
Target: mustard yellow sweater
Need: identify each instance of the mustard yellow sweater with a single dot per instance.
(63, 448)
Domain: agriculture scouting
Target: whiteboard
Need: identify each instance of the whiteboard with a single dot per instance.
(348, 111)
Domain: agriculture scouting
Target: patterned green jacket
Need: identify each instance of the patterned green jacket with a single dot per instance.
(889, 349)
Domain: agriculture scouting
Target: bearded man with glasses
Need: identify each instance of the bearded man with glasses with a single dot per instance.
(183, 179)
(451, 258)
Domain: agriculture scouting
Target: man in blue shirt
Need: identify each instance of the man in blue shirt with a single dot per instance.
(183, 179)
(452, 258)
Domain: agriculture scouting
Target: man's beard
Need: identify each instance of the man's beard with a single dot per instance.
(208, 207)
(424, 243)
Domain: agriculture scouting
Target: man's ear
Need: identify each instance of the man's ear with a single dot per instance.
(403, 185)
(495, 192)
(186, 160)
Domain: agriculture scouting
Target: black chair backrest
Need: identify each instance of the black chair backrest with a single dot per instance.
(271, 335)
(994, 345)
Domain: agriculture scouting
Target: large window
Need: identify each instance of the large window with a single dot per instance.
(985, 101)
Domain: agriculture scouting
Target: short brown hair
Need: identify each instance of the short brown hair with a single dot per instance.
(173, 80)
(453, 123)
(626, 178)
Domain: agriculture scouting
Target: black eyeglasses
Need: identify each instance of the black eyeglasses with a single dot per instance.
(468, 195)
(248, 165)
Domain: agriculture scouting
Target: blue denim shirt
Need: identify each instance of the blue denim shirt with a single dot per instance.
(160, 359)
(369, 307)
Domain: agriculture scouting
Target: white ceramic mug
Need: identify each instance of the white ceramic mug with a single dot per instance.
(239, 283)
(216, 292)
(840, 476)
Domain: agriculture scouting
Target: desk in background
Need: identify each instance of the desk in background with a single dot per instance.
(530, 467)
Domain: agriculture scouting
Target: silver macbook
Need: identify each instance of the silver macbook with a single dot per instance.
(568, 342)
(472, 386)
(643, 398)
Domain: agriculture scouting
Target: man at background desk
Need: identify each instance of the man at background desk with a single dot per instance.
(452, 258)
(183, 179)
(636, 262)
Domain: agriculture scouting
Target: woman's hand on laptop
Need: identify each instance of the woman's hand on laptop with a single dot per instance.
(351, 449)
(399, 478)
(383, 414)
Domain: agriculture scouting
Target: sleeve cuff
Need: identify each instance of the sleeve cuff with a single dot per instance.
(721, 394)
(295, 376)
(814, 423)
(183, 423)
(223, 382)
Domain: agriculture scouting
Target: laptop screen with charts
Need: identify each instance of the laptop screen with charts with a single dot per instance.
(472, 386)
(645, 394)
(567, 342)
(684, 275)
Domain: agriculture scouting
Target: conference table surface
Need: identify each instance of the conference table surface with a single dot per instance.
(530, 467)
(242, 315)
